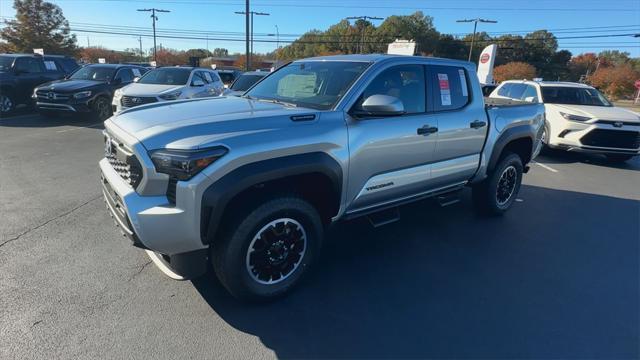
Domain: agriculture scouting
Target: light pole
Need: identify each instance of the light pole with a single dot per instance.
(154, 18)
(250, 49)
(475, 26)
(363, 34)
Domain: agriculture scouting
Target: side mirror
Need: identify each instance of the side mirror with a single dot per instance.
(116, 81)
(135, 79)
(197, 82)
(19, 72)
(381, 105)
(531, 99)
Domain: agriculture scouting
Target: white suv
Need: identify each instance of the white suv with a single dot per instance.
(168, 83)
(579, 118)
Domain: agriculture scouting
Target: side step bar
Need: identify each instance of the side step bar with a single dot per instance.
(449, 198)
(384, 217)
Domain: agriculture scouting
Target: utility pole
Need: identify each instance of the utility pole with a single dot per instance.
(363, 31)
(154, 18)
(249, 26)
(140, 41)
(88, 43)
(475, 26)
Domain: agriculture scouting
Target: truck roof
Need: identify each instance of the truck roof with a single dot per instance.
(550, 83)
(381, 57)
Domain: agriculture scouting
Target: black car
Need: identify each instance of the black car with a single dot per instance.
(228, 76)
(244, 82)
(21, 73)
(89, 90)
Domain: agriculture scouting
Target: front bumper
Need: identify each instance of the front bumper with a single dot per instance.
(598, 138)
(149, 221)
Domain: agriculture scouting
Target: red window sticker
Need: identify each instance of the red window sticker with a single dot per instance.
(444, 81)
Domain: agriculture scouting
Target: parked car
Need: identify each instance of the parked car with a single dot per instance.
(250, 183)
(89, 90)
(244, 82)
(228, 76)
(579, 118)
(21, 73)
(168, 83)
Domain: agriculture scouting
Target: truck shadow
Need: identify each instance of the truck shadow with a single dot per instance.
(566, 157)
(445, 283)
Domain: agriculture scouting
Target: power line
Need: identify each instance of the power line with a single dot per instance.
(475, 26)
(154, 18)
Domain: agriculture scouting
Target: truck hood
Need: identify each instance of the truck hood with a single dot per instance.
(599, 112)
(148, 89)
(194, 123)
(70, 85)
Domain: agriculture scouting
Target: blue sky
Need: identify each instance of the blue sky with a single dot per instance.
(296, 17)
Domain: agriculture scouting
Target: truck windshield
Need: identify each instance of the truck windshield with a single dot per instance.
(168, 76)
(573, 96)
(96, 73)
(5, 63)
(313, 84)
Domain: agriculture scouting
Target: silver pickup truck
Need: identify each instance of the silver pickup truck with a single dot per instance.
(248, 184)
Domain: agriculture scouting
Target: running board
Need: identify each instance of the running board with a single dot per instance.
(449, 198)
(384, 217)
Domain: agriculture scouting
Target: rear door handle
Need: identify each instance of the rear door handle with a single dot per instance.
(477, 124)
(426, 130)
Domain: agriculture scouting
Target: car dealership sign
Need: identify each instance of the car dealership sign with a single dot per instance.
(402, 47)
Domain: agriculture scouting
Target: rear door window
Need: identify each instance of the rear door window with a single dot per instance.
(29, 65)
(450, 87)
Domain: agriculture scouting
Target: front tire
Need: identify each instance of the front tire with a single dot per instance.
(266, 251)
(496, 194)
(101, 108)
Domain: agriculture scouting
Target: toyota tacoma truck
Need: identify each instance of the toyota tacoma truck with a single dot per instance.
(249, 184)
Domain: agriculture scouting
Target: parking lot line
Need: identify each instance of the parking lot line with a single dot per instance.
(546, 167)
(81, 127)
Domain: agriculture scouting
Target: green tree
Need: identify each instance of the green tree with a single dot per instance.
(613, 57)
(39, 24)
(220, 52)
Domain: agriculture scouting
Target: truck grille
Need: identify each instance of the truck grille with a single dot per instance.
(126, 165)
(612, 139)
(131, 101)
(45, 95)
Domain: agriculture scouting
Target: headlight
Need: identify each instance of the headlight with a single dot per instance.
(171, 96)
(185, 164)
(117, 93)
(574, 117)
(82, 94)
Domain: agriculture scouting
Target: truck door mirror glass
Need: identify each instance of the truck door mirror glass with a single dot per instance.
(531, 99)
(381, 105)
(135, 79)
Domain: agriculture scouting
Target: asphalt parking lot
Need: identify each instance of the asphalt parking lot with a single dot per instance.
(557, 277)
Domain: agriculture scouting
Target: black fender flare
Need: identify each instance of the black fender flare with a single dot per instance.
(509, 135)
(218, 195)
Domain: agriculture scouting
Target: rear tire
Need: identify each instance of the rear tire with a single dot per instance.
(496, 194)
(268, 249)
(618, 158)
(7, 103)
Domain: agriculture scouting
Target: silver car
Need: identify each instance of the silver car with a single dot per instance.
(168, 83)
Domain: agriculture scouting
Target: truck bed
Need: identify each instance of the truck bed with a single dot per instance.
(499, 102)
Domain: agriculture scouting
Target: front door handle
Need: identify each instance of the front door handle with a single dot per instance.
(477, 124)
(426, 130)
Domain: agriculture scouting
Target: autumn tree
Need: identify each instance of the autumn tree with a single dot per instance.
(514, 70)
(615, 81)
(583, 64)
(39, 24)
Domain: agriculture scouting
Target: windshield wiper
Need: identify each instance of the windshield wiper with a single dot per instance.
(276, 101)
(273, 101)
